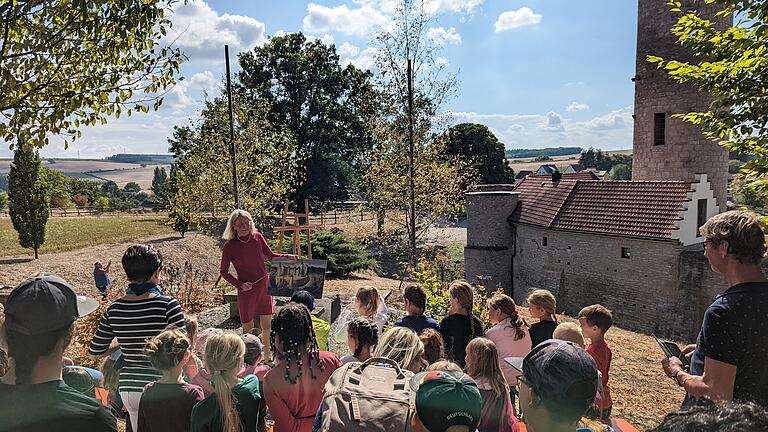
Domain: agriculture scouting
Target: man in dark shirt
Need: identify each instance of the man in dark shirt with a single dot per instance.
(731, 353)
(415, 303)
(39, 324)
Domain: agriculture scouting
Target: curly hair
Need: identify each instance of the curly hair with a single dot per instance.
(434, 346)
(364, 331)
(708, 416)
(293, 326)
(167, 350)
(742, 231)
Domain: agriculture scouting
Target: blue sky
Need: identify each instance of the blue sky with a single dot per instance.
(539, 73)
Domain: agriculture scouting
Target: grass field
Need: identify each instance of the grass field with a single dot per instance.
(561, 162)
(75, 233)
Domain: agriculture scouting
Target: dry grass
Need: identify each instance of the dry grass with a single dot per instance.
(75, 233)
(75, 166)
(142, 176)
(561, 162)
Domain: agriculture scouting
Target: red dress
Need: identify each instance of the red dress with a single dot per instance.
(248, 258)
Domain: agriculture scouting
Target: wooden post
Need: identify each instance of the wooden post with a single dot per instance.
(309, 231)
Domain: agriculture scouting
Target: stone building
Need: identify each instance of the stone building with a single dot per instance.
(632, 246)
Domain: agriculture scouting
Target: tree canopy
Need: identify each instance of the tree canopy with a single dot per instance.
(324, 106)
(66, 63)
(28, 204)
(476, 143)
(732, 65)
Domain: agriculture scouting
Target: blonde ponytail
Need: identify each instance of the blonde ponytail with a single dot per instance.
(223, 358)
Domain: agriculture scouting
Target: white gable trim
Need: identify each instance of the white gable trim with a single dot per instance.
(687, 229)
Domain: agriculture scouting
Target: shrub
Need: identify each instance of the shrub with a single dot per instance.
(81, 200)
(3, 200)
(101, 203)
(343, 254)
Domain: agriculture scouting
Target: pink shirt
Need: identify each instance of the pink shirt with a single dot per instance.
(293, 406)
(503, 335)
(260, 370)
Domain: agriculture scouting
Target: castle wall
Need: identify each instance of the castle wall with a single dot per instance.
(658, 290)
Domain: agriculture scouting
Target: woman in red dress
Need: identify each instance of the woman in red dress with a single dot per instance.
(247, 249)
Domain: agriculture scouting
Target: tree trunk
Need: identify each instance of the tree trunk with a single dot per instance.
(35, 252)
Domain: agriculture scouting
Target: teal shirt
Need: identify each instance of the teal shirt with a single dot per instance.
(250, 406)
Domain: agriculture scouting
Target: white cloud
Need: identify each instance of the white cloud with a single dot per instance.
(347, 50)
(617, 119)
(575, 84)
(441, 61)
(178, 99)
(452, 6)
(440, 36)
(513, 19)
(356, 22)
(367, 59)
(553, 123)
(576, 106)
(202, 32)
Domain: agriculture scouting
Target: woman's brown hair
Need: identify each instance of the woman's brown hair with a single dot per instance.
(434, 346)
(506, 305)
(167, 350)
(484, 364)
(462, 292)
(369, 298)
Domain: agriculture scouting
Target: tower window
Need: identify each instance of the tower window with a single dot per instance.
(659, 128)
(701, 215)
(544, 241)
(625, 253)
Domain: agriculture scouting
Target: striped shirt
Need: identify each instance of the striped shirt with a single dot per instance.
(132, 322)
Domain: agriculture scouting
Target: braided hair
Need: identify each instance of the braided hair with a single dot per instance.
(462, 291)
(293, 325)
(167, 350)
(365, 332)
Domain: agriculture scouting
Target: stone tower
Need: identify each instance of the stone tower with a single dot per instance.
(667, 148)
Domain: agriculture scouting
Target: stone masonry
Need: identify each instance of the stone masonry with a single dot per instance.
(686, 151)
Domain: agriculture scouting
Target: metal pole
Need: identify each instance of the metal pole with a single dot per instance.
(232, 149)
(411, 183)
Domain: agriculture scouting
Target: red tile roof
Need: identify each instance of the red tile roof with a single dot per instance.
(646, 209)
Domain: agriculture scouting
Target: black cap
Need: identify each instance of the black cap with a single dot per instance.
(45, 303)
(304, 297)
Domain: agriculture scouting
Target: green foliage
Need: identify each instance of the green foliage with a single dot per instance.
(542, 158)
(621, 172)
(602, 161)
(178, 218)
(158, 180)
(750, 193)
(59, 187)
(3, 182)
(3, 200)
(734, 166)
(89, 188)
(131, 187)
(267, 163)
(344, 255)
(110, 189)
(532, 153)
(65, 64)
(731, 63)
(306, 92)
(29, 202)
(101, 203)
(477, 144)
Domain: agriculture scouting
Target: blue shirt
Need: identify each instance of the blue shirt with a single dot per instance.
(417, 323)
(735, 331)
(101, 278)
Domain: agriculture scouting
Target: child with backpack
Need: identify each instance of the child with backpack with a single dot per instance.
(166, 404)
(362, 339)
(293, 389)
(236, 404)
(460, 326)
(542, 305)
(368, 303)
(483, 366)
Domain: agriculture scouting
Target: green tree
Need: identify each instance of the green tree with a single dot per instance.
(158, 180)
(110, 189)
(750, 193)
(323, 105)
(732, 65)
(29, 202)
(89, 188)
(267, 163)
(131, 187)
(3, 200)
(476, 143)
(178, 218)
(59, 187)
(734, 166)
(101, 203)
(65, 64)
(621, 172)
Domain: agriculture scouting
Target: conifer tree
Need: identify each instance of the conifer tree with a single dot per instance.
(28, 205)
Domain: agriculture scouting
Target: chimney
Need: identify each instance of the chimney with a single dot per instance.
(556, 176)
